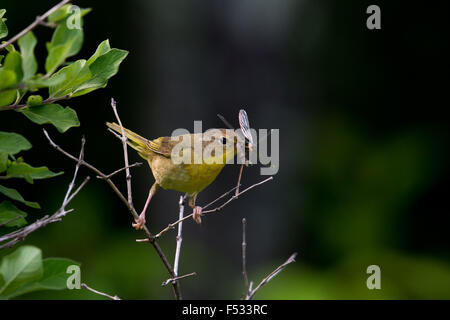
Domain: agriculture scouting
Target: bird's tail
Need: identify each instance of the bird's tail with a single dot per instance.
(138, 143)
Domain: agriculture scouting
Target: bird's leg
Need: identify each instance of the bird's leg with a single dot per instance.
(197, 210)
(140, 223)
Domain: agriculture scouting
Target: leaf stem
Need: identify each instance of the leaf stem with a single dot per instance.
(39, 20)
(23, 106)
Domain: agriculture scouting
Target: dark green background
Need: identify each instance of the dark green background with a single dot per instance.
(364, 138)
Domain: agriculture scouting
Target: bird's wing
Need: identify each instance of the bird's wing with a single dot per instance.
(162, 145)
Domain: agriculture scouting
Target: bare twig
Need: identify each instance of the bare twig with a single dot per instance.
(48, 24)
(84, 285)
(148, 234)
(136, 164)
(39, 20)
(239, 180)
(220, 197)
(165, 283)
(179, 236)
(244, 256)
(77, 167)
(271, 275)
(176, 285)
(125, 153)
(217, 209)
(21, 234)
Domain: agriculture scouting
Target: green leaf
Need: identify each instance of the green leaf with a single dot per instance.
(65, 43)
(34, 100)
(59, 14)
(13, 63)
(3, 161)
(63, 12)
(29, 64)
(13, 143)
(54, 276)
(8, 212)
(29, 173)
(61, 118)
(73, 75)
(8, 78)
(7, 96)
(3, 28)
(15, 195)
(22, 266)
(10, 48)
(38, 82)
(102, 48)
(102, 68)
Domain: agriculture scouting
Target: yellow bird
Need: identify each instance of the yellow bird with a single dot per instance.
(186, 163)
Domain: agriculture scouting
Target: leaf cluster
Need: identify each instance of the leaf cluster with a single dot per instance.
(34, 94)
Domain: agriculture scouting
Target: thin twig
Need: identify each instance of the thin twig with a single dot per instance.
(176, 285)
(151, 238)
(11, 220)
(46, 101)
(244, 256)
(217, 209)
(48, 24)
(217, 199)
(179, 236)
(271, 275)
(136, 164)
(125, 153)
(165, 283)
(239, 180)
(72, 183)
(21, 234)
(84, 285)
(39, 20)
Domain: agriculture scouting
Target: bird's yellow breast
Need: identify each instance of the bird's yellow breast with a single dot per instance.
(190, 178)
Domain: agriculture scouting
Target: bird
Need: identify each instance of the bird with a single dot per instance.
(187, 163)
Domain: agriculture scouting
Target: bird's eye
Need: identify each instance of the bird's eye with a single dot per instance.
(223, 140)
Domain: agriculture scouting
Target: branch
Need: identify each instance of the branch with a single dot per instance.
(84, 285)
(271, 275)
(125, 154)
(39, 20)
(217, 209)
(151, 238)
(136, 164)
(46, 101)
(244, 256)
(173, 273)
(179, 237)
(165, 283)
(21, 234)
(239, 180)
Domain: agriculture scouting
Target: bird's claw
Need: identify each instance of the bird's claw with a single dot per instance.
(140, 222)
(197, 214)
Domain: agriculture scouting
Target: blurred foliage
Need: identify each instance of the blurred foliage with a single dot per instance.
(402, 277)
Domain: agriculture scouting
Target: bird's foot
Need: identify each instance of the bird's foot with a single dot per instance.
(197, 214)
(140, 222)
